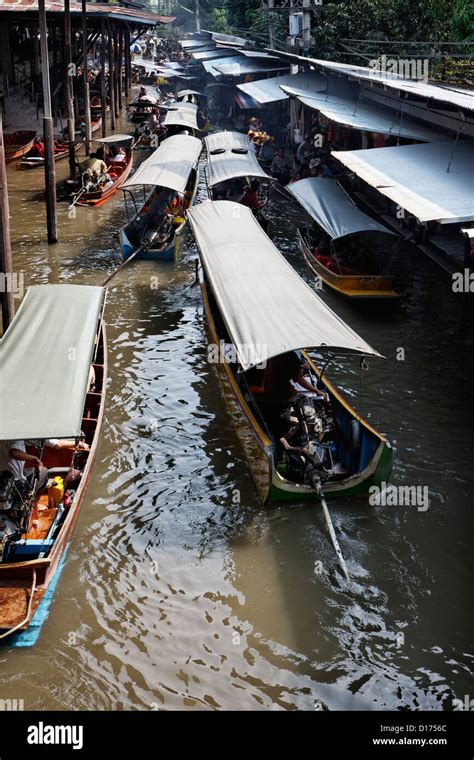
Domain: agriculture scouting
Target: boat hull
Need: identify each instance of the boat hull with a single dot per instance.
(98, 197)
(17, 144)
(356, 287)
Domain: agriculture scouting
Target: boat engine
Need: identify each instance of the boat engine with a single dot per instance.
(314, 425)
(157, 237)
(13, 512)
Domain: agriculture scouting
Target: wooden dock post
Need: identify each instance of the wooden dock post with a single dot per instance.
(87, 104)
(103, 90)
(69, 93)
(111, 77)
(49, 166)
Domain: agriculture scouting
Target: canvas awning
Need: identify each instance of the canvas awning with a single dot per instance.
(230, 155)
(245, 102)
(332, 209)
(432, 181)
(45, 358)
(183, 93)
(208, 55)
(270, 90)
(170, 165)
(368, 117)
(268, 309)
(181, 115)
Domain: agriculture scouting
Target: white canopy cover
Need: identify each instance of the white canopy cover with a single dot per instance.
(432, 181)
(332, 209)
(45, 358)
(182, 114)
(270, 90)
(266, 306)
(230, 155)
(170, 165)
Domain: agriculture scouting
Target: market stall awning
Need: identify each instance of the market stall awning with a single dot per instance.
(267, 308)
(240, 66)
(207, 55)
(368, 117)
(45, 358)
(270, 90)
(209, 66)
(230, 155)
(182, 115)
(432, 181)
(170, 165)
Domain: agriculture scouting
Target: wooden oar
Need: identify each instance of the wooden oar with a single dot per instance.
(122, 265)
(334, 540)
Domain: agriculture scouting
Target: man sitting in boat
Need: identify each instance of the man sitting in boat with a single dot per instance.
(250, 196)
(94, 172)
(37, 149)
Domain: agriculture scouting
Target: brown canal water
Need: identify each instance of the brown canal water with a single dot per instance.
(173, 595)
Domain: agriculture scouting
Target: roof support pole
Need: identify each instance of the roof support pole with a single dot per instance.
(128, 67)
(116, 68)
(111, 76)
(119, 72)
(69, 90)
(49, 166)
(6, 290)
(103, 92)
(87, 103)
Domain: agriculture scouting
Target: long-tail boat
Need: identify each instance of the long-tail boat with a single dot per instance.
(17, 144)
(346, 248)
(52, 393)
(172, 167)
(94, 193)
(262, 321)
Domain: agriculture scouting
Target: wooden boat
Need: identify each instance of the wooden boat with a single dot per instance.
(37, 525)
(117, 173)
(61, 150)
(17, 144)
(142, 106)
(173, 168)
(278, 315)
(348, 229)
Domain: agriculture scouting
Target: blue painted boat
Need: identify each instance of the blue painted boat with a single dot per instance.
(156, 228)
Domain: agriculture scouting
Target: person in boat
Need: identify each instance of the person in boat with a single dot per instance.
(250, 196)
(15, 459)
(267, 151)
(94, 172)
(120, 156)
(156, 217)
(37, 149)
(279, 167)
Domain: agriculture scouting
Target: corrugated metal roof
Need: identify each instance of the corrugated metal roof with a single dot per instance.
(97, 9)
(432, 181)
(443, 93)
(269, 90)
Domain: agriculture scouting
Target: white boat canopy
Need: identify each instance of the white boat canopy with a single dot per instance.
(183, 93)
(170, 165)
(230, 155)
(366, 116)
(45, 356)
(267, 307)
(432, 181)
(332, 209)
(181, 115)
(270, 90)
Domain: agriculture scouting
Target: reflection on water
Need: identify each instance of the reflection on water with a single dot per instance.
(174, 595)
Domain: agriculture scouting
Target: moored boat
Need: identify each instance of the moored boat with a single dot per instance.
(262, 319)
(17, 144)
(61, 150)
(157, 226)
(347, 249)
(38, 510)
(97, 188)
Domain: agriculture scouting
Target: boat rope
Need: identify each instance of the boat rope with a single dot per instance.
(119, 268)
